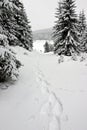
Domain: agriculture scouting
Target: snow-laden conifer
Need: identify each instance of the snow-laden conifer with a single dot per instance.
(9, 65)
(66, 29)
(83, 31)
(14, 22)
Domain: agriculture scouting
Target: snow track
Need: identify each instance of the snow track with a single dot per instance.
(52, 108)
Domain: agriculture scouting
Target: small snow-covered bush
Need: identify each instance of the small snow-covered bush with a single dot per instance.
(9, 65)
(83, 57)
(74, 57)
(61, 59)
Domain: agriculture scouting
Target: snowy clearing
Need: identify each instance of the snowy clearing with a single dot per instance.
(39, 45)
(47, 95)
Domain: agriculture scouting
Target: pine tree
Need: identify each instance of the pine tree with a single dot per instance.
(57, 26)
(82, 22)
(46, 47)
(15, 24)
(9, 65)
(66, 29)
(82, 30)
(24, 30)
(83, 45)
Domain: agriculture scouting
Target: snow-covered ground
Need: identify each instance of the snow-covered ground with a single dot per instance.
(47, 95)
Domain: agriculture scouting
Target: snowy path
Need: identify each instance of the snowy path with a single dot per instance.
(52, 108)
(44, 98)
(29, 105)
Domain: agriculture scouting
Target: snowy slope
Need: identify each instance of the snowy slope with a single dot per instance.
(47, 96)
(69, 82)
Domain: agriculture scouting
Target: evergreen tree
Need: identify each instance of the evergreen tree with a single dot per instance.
(66, 29)
(15, 24)
(82, 30)
(82, 22)
(46, 47)
(9, 65)
(83, 45)
(57, 26)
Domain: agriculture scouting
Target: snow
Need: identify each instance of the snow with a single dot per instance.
(47, 96)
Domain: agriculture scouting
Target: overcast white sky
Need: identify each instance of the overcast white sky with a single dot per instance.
(41, 13)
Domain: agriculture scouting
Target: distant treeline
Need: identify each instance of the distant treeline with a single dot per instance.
(45, 34)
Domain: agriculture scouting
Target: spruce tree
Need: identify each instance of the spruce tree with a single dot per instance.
(14, 22)
(9, 65)
(66, 29)
(82, 30)
(46, 47)
(82, 22)
(57, 26)
(83, 45)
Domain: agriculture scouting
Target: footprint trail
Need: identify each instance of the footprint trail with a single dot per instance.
(53, 107)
